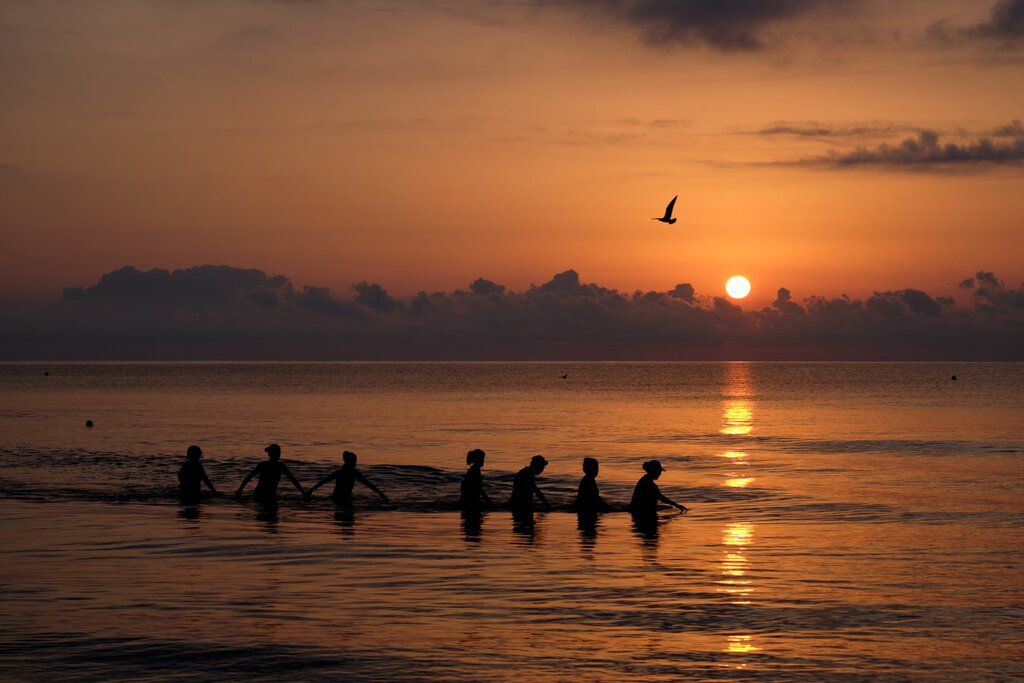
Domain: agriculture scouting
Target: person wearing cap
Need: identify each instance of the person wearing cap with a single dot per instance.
(647, 495)
(192, 474)
(588, 497)
(345, 478)
(524, 486)
(269, 472)
(473, 496)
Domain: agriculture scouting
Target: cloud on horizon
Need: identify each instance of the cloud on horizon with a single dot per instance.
(226, 312)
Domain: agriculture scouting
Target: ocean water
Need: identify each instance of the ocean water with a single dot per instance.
(856, 521)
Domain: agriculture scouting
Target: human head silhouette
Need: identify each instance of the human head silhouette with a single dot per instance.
(273, 451)
(194, 453)
(538, 463)
(475, 457)
(349, 458)
(653, 468)
(590, 466)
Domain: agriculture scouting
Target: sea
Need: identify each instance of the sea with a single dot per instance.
(847, 522)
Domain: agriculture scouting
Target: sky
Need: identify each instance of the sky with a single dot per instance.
(824, 147)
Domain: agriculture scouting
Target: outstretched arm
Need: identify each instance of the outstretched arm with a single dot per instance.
(206, 479)
(369, 485)
(248, 477)
(540, 495)
(293, 480)
(320, 483)
(484, 496)
(665, 499)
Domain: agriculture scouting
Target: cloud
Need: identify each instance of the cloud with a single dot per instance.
(817, 129)
(1004, 27)
(725, 25)
(225, 312)
(926, 150)
(375, 297)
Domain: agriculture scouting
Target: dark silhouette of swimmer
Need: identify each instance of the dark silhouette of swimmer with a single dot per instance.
(473, 495)
(192, 475)
(588, 498)
(524, 486)
(953, 378)
(269, 472)
(647, 495)
(345, 478)
(88, 424)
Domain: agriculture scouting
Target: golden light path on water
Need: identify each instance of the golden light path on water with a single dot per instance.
(737, 536)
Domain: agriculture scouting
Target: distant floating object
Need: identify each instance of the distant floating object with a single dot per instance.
(88, 424)
(46, 374)
(565, 376)
(667, 218)
(953, 378)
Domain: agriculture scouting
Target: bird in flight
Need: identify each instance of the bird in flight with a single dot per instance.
(667, 218)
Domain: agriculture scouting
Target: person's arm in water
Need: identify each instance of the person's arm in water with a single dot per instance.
(484, 496)
(665, 499)
(255, 470)
(206, 480)
(333, 475)
(368, 484)
(292, 479)
(540, 494)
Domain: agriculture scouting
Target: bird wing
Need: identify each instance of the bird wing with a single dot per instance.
(671, 205)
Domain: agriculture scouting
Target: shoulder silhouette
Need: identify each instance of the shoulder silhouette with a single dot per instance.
(345, 478)
(524, 486)
(269, 472)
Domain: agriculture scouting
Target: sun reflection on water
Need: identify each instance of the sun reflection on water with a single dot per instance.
(738, 418)
(736, 584)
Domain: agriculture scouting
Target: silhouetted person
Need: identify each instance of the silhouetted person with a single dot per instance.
(953, 378)
(345, 478)
(473, 495)
(588, 498)
(647, 495)
(269, 472)
(88, 424)
(192, 475)
(524, 486)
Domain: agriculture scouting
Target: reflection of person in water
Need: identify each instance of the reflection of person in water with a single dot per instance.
(269, 472)
(345, 478)
(588, 498)
(192, 474)
(524, 485)
(473, 495)
(647, 495)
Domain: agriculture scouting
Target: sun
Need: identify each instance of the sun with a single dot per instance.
(737, 287)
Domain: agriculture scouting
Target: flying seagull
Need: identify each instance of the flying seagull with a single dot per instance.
(667, 218)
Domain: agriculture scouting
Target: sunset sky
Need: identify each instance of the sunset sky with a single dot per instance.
(826, 146)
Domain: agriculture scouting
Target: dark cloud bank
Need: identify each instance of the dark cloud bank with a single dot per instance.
(726, 25)
(220, 312)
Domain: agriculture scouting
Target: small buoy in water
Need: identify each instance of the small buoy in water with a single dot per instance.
(88, 424)
(953, 378)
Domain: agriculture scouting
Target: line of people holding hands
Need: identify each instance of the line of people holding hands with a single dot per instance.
(473, 495)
